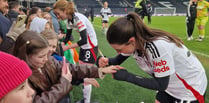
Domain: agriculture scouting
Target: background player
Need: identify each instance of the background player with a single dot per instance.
(88, 43)
(202, 17)
(190, 18)
(141, 8)
(105, 11)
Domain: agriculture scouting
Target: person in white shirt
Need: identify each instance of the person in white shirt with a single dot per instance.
(105, 12)
(177, 74)
(88, 41)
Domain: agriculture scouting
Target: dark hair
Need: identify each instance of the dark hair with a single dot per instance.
(29, 42)
(33, 10)
(121, 30)
(23, 9)
(13, 4)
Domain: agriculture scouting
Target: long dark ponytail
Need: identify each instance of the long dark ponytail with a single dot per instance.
(121, 30)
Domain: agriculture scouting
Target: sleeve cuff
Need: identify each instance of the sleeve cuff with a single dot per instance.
(101, 74)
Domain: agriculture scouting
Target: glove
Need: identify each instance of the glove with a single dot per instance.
(14, 32)
(121, 74)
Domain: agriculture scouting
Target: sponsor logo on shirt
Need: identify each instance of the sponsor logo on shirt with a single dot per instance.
(160, 66)
(80, 25)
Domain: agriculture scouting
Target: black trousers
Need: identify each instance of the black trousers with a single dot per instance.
(149, 18)
(164, 97)
(190, 26)
(140, 12)
(92, 18)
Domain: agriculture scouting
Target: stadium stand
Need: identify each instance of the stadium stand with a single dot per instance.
(180, 5)
(124, 6)
(117, 6)
(87, 3)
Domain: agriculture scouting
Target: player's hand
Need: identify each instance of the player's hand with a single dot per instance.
(111, 69)
(64, 47)
(66, 71)
(61, 35)
(103, 62)
(91, 81)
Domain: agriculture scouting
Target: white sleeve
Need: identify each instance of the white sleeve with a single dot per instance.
(101, 11)
(110, 11)
(163, 62)
(125, 54)
(80, 24)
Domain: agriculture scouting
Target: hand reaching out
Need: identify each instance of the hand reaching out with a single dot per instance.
(64, 47)
(65, 71)
(61, 35)
(111, 69)
(91, 81)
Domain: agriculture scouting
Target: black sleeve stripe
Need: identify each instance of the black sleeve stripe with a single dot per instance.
(153, 49)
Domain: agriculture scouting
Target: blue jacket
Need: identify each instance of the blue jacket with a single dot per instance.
(5, 24)
(55, 21)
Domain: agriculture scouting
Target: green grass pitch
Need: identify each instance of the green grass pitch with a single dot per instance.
(112, 91)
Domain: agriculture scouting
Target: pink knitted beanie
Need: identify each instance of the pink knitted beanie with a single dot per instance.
(13, 72)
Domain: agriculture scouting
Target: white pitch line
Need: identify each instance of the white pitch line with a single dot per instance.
(202, 54)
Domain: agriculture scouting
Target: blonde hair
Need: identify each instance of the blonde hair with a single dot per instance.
(50, 22)
(45, 13)
(65, 5)
(49, 34)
